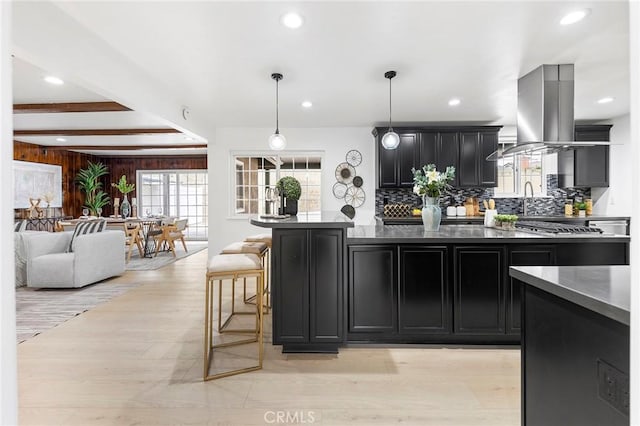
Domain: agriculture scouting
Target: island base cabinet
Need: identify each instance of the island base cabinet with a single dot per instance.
(524, 256)
(571, 358)
(307, 289)
(479, 300)
(373, 289)
(423, 305)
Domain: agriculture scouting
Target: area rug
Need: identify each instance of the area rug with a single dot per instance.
(38, 310)
(163, 258)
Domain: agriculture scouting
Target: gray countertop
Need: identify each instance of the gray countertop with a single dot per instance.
(601, 289)
(325, 219)
(463, 234)
(480, 219)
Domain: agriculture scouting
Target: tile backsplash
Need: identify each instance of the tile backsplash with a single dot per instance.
(553, 204)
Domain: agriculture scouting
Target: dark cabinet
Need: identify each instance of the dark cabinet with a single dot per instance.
(423, 296)
(479, 281)
(447, 153)
(589, 165)
(308, 286)
(408, 155)
(524, 256)
(373, 289)
(474, 169)
(464, 148)
(387, 166)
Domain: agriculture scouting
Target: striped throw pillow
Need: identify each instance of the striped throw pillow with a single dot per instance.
(88, 227)
(20, 226)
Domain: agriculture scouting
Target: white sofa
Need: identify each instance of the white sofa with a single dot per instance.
(47, 264)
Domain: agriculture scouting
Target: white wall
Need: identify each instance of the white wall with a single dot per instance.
(334, 142)
(616, 200)
(8, 366)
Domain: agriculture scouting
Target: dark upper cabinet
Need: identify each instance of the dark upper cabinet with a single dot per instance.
(474, 170)
(488, 171)
(408, 155)
(464, 148)
(478, 290)
(423, 304)
(388, 166)
(428, 148)
(589, 165)
(468, 166)
(448, 148)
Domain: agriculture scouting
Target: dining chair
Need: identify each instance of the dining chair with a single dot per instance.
(171, 233)
(132, 234)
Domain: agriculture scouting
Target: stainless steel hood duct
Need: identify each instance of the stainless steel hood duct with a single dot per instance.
(545, 120)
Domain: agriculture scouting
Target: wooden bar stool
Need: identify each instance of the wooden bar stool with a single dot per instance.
(262, 251)
(229, 268)
(267, 239)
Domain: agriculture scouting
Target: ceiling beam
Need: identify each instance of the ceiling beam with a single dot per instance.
(93, 132)
(120, 147)
(68, 107)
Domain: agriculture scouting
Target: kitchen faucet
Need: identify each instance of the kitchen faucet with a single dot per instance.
(524, 201)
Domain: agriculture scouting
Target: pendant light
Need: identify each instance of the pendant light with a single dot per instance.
(390, 140)
(277, 142)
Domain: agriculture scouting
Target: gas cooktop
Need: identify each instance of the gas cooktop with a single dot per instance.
(556, 228)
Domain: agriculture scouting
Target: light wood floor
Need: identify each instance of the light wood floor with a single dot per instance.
(137, 360)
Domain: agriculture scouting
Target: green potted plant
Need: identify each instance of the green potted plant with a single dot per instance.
(124, 188)
(290, 190)
(582, 209)
(88, 180)
(506, 221)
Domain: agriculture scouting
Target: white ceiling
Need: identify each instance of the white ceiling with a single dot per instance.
(219, 56)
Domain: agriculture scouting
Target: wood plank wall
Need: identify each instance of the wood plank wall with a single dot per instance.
(72, 162)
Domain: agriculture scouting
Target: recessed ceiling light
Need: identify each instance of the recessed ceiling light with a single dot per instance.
(53, 80)
(307, 104)
(292, 20)
(575, 16)
(605, 100)
(454, 102)
(61, 139)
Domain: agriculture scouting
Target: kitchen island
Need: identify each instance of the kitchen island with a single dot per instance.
(400, 284)
(575, 344)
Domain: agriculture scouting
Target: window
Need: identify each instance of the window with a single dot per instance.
(182, 193)
(515, 170)
(256, 175)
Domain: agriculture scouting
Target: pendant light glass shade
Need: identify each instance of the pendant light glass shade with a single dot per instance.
(277, 142)
(390, 140)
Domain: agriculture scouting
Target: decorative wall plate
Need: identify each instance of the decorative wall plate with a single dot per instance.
(357, 181)
(345, 173)
(349, 211)
(354, 157)
(354, 196)
(339, 189)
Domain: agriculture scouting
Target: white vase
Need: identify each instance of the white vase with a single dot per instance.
(431, 213)
(125, 207)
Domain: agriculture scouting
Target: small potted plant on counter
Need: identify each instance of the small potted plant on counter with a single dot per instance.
(506, 221)
(290, 189)
(582, 209)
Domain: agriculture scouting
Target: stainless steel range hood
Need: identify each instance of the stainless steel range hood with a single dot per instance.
(545, 120)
